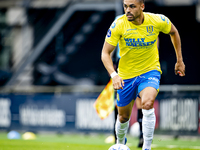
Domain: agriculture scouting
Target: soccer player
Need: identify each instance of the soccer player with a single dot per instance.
(139, 67)
(138, 103)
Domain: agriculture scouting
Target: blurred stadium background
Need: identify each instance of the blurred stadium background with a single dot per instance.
(51, 72)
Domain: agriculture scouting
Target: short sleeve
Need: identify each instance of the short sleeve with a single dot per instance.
(165, 24)
(113, 34)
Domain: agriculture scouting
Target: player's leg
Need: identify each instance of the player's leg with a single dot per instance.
(116, 114)
(125, 101)
(139, 119)
(122, 123)
(148, 90)
(148, 96)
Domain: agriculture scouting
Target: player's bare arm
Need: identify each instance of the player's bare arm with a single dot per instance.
(175, 38)
(118, 83)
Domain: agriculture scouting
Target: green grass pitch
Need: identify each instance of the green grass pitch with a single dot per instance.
(91, 142)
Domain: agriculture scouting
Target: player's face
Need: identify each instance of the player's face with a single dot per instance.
(133, 9)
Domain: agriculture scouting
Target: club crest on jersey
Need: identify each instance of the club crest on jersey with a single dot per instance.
(149, 29)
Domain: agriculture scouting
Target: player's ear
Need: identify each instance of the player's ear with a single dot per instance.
(142, 6)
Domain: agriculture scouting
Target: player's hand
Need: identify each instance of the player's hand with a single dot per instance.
(180, 68)
(118, 83)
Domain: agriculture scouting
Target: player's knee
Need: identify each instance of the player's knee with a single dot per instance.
(123, 118)
(148, 104)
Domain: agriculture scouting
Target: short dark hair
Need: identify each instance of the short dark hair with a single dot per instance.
(141, 1)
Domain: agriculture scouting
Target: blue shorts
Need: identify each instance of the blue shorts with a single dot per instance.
(132, 87)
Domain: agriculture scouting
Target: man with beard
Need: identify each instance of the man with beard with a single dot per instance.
(139, 67)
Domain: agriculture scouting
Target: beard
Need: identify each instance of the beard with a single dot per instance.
(131, 17)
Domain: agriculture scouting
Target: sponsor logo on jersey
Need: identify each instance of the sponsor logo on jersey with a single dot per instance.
(131, 29)
(164, 18)
(154, 79)
(109, 33)
(167, 21)
(138, 42)
(113, 25)
(130, 33)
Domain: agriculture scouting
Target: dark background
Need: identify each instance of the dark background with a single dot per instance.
(73, 57)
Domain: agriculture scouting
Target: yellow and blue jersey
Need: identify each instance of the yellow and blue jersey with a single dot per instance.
(138, 43)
